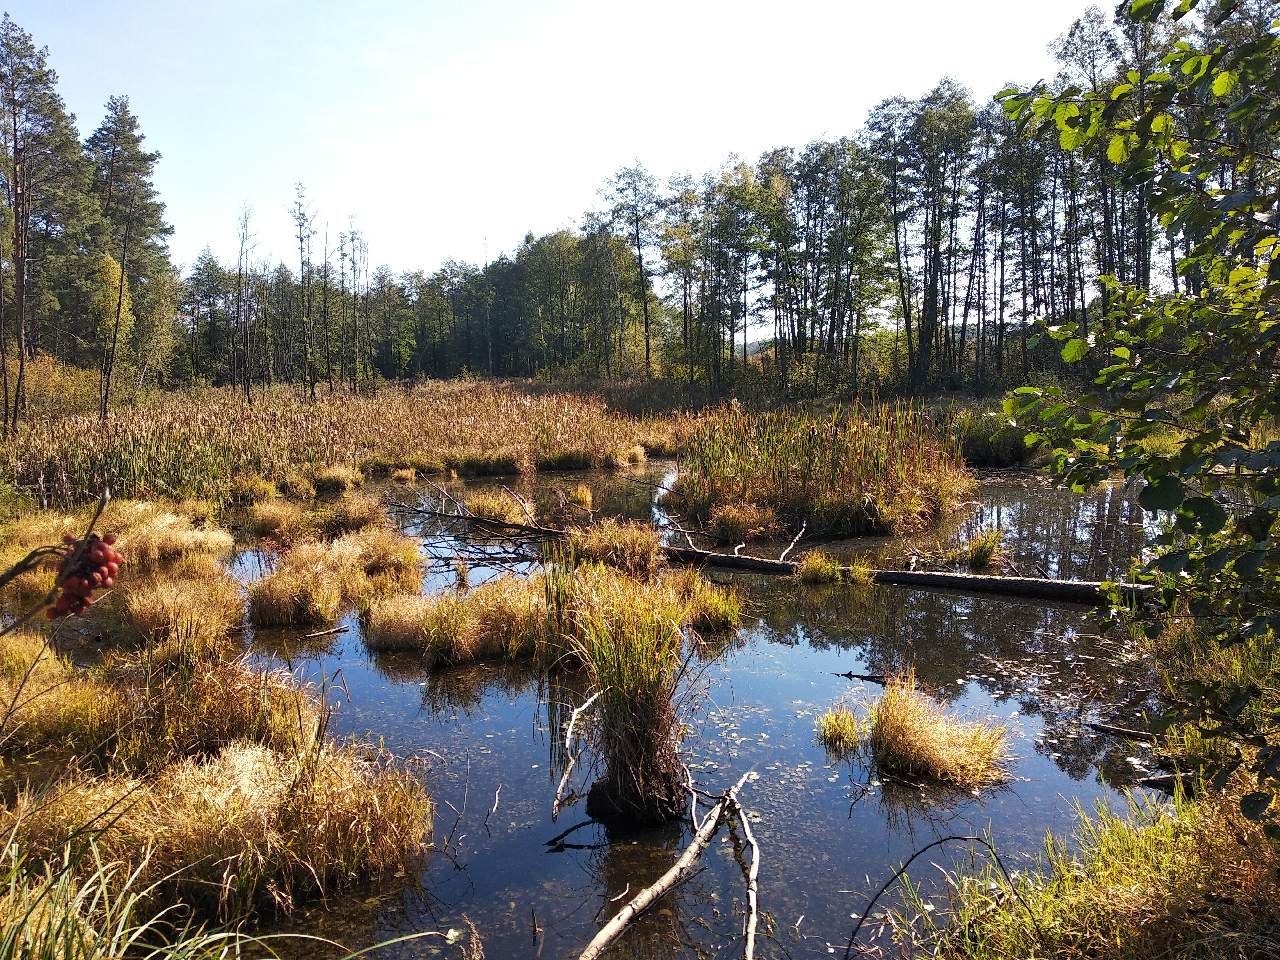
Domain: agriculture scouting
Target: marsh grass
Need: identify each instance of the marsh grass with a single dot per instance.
(251, 488)
(280, 520)
(1182, 880)
(404, 475)
(353, 511)
(876, 470)
(248, 829)
(197, 601)
(151, 534)
(817, 568)
(192, 443)
(839, 732)
(983, 551)
(305, 589)
(632, 547)
(911, 736)
(738, 522)
(498, 505)
(335, 479)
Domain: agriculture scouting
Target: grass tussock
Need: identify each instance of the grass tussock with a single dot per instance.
(838, 730)
(296, 485)
(912, 737)
(499, 506)
(816, 568)
(1189, 880)
(708, 606)
(280, 520)
(196, 601)
(247, 829)
(354, 511)
(385, 558)
(634, 548)
(404, 475)
(246, 490)
(335, 479)
(876, 470)
(739, 522)
(137, 712)
(305, 589)
(150, 535)
(982, 552)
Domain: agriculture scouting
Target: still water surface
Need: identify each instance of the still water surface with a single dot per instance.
(489, 742)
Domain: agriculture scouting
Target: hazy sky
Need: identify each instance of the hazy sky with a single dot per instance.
(450, 129)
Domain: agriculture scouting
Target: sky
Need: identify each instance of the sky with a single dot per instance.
(452, 129)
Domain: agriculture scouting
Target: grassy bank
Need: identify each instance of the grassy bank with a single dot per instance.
(876, 470)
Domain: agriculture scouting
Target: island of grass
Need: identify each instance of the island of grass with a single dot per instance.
(866, 471)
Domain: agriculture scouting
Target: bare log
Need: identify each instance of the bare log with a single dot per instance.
(1127, 733)
(679, 871)
(753, 885)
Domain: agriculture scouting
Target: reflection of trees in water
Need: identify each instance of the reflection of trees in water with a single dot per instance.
(1049, 660)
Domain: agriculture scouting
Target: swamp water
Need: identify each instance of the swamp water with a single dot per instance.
(489, 742)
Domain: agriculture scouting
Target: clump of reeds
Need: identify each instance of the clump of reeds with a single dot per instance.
(251, 488)
(306, 588)
(631, 456)
(504, 618)
(708, 606)
(982, 551)
(581, 497)
(1193, 877)
(280, 520)
(354, 511)
(738, 522)
(404, 475)
(633, 547)
(247, 829)
(499, 506)
(631, 648)
(868, 471)
(911, 736)
(838, 730)
(296, 485)
(816, 567)
(335, 479)
(387, 559)
(150, 534)
(198, 601)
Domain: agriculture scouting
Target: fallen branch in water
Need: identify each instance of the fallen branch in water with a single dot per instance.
(680, 871)
(558, 802)
(753, 884)
(869, 677)
(1068, 591)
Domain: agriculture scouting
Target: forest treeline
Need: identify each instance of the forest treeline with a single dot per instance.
(918, 252)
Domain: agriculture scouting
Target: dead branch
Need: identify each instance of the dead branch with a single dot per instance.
(791, 546)
(1126, 733)
(753, 884)
(568, 749)
(679, 872)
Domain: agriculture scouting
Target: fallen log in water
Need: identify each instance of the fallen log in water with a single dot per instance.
(1069, 591)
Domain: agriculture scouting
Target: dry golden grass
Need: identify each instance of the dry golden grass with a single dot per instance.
(296, 485)
(405, 475)
(708, 606)
(248, 829)
(816, 567)
(738, 522)
(353, 511)
(911, 736)
(630, 456)
(300, 592)
(497, 505)
(1192, 879)
(180, 605)
(140, 711)
(251, 488)
(280, 520)
(335, 479)
(151, 535)
(634, 548)
(389, 560)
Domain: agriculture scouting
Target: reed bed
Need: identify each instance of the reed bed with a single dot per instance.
(839, 732)
(501, 506)
(876, 470)
(194, 443)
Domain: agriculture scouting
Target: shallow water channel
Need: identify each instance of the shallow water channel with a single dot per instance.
(488, 739)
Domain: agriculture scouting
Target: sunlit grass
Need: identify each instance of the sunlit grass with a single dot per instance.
(335, 479)
(1192, 879)
(838, 730)
(911, 736)
(497, 505)
(983, 551)
(868, 471)
(635, 548)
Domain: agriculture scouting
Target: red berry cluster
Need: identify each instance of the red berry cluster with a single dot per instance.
(87, 565)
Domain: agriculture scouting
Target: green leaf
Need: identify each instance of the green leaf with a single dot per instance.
(1224, 83)
(1075, 350)
(1164, 493)
(1118, 149)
